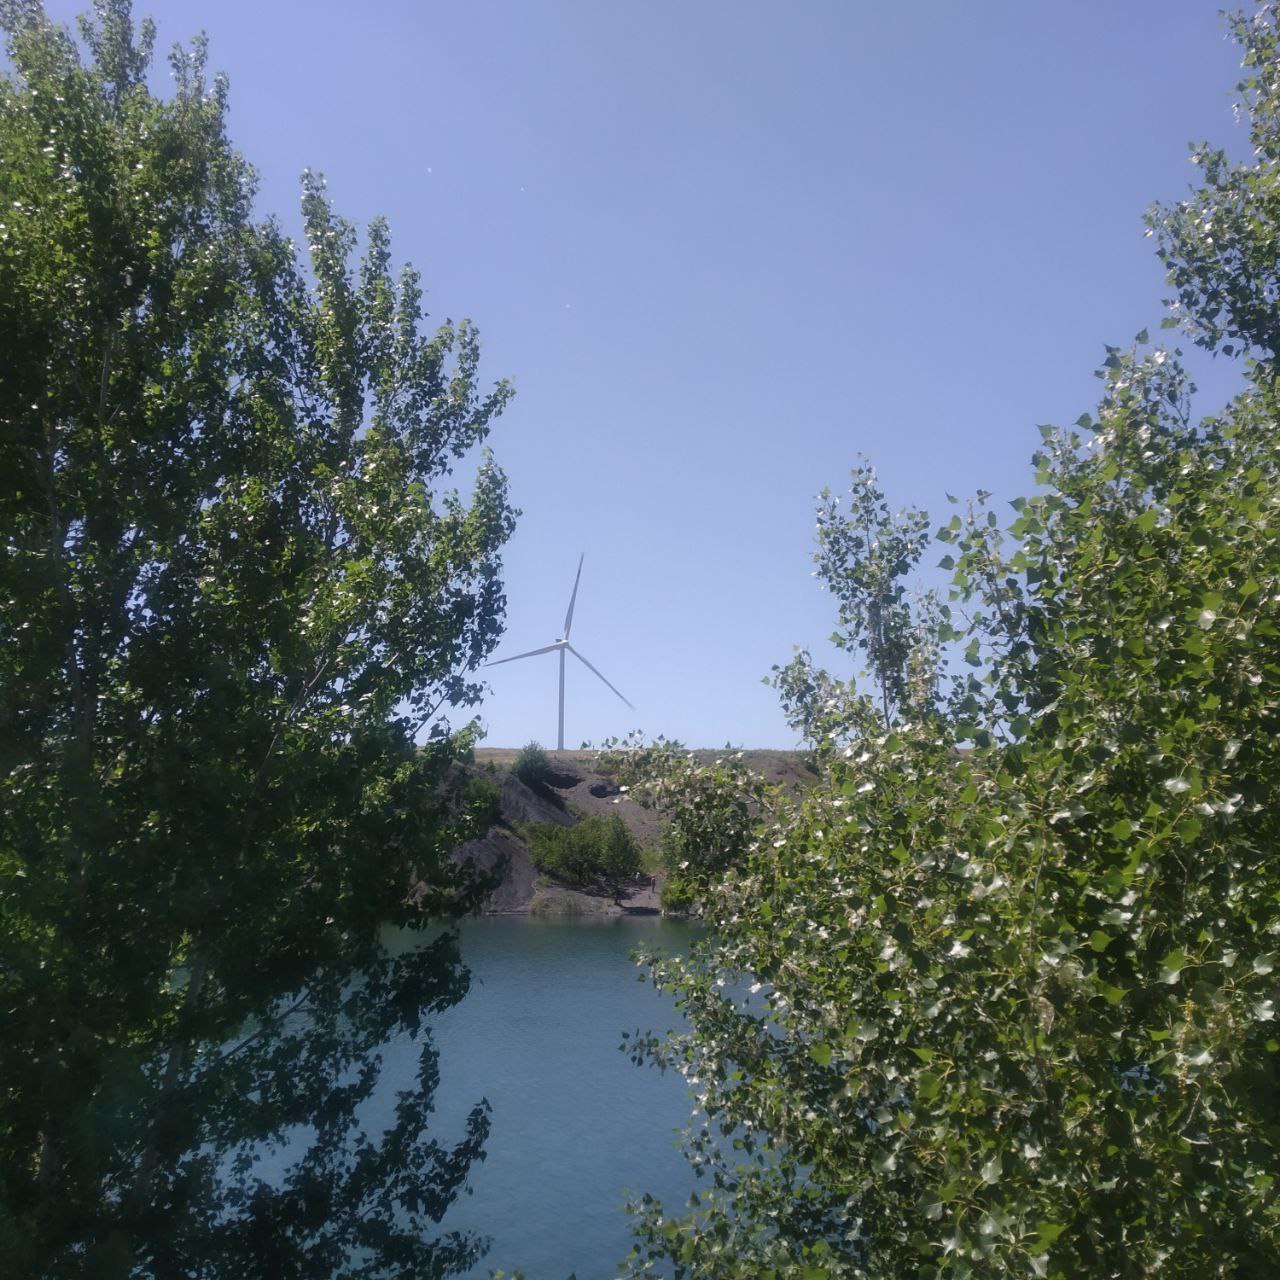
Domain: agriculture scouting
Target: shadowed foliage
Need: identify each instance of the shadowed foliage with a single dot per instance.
(234, 590)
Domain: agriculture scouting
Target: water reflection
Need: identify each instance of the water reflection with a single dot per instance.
(575, 1124)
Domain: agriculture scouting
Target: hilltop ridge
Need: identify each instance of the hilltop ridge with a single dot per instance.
(774, 763)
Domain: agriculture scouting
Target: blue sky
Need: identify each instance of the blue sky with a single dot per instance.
(721, 247)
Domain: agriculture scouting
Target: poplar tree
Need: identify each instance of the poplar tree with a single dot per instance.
(997, 997)
(236, 588)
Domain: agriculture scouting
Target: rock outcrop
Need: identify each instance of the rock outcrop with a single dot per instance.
(573, 792)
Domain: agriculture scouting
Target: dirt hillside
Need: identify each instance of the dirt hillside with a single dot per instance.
(575, 791)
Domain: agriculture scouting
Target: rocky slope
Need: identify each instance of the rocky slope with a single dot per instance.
(575, 791)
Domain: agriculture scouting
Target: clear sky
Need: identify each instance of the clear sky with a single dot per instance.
(721, 247)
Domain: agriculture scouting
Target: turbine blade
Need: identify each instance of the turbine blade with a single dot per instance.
(533, 653)
(585, 663)
(568, 617)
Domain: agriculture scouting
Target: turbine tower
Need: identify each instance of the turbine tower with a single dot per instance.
(560, 647)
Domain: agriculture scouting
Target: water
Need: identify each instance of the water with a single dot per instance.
(575, 1124)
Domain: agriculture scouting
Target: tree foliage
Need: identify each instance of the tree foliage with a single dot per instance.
(998, 996)
(864, 559)
(480, 799)
(533, 766)
(711, 808)
(234, 588)
(595, 847)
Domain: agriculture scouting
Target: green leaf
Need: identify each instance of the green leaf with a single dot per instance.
(1047, 1234)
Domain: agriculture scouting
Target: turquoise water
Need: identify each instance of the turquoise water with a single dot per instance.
(575, 1124)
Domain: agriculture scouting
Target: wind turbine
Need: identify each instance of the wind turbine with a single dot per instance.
(560, 647)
